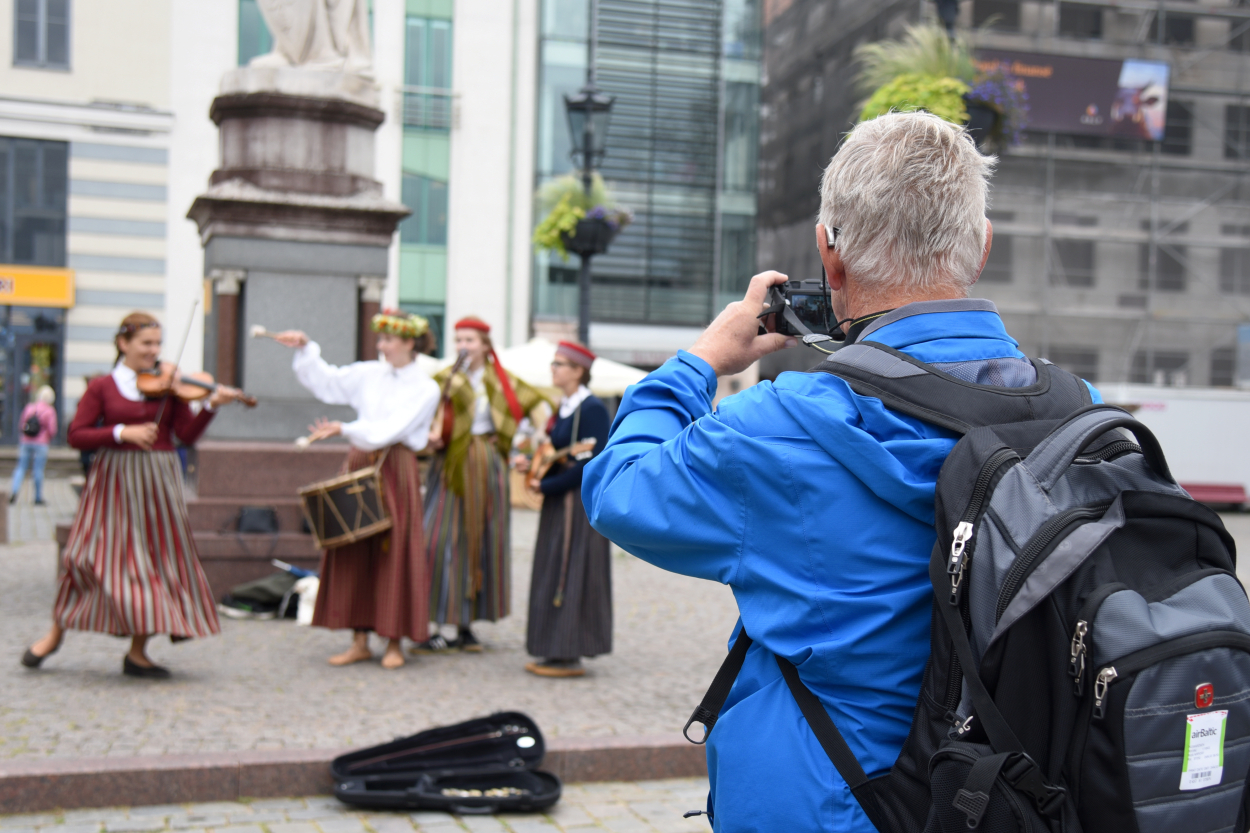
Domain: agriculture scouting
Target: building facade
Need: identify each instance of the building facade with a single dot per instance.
(1121, 260)
(84, 159)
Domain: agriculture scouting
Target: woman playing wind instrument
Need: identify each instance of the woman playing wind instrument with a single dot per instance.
(467, 502)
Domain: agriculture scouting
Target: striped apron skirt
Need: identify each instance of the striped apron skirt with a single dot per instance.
(130, 564)
(570, 612)
(381, 584)
(470, 551)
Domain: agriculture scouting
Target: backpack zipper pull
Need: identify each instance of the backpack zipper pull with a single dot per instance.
(955, 569)
(1105, 676)
(1076, 666)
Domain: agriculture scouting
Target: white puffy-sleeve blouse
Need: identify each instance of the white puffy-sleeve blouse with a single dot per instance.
(393, 405)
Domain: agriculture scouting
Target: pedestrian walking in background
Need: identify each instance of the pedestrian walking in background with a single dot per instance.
(570, 613)
(467, 502)
(380, 583)
(38, 426)
(130, 566)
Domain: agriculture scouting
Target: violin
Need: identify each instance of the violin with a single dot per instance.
(166, 380)
(444, 414)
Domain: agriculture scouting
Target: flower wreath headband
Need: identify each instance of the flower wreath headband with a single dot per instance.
(397, 323)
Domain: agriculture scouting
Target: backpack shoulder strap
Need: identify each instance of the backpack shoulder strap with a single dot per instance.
(910, 386)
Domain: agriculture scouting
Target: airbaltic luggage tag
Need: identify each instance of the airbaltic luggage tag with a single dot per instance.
(1203, 765)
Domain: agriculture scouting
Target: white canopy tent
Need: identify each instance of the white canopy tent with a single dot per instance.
(531, 362)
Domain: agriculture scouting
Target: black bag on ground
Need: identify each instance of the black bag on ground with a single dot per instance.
(1089, 660)
(262, 598)
(485, 765)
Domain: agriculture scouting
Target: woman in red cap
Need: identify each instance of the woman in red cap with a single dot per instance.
(570, 614)
(467, 501)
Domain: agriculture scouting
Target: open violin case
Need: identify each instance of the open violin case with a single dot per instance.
(485, 765)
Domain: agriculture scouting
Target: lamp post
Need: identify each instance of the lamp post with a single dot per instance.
(588, 111)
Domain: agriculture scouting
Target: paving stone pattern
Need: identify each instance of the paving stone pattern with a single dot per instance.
(640, 807)
(266, 685)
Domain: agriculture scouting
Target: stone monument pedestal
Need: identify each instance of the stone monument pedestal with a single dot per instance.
(295, 233)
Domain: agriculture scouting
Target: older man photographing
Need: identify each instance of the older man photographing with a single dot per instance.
(813, 503)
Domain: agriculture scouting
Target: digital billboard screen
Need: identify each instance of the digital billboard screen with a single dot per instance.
(1092, 96)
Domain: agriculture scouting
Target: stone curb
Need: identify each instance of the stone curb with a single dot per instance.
(32, 785)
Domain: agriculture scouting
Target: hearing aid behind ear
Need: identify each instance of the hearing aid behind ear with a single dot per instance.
(831, 234)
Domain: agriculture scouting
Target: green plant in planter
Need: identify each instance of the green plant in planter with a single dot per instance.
(924, 49)
(943, 97)
(563, 203)
(558, 225)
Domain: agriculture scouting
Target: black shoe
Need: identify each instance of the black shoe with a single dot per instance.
(150, 672)
(468, 642)
(32, 660)
(38, 502)
(13, 498)
(436, 644)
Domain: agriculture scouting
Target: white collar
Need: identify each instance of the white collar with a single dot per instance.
(127, 381)
(569, 404)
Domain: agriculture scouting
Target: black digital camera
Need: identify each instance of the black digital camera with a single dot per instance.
(801, 308)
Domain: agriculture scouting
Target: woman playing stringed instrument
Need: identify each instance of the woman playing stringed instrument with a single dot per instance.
(380, 583)
(467, 500)
(130, 564)
(570, 611)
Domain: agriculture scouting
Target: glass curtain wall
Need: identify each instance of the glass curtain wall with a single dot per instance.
(681, 153)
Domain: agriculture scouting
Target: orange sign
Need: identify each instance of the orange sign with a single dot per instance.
(36, 286)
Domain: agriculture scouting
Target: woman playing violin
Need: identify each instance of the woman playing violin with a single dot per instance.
(130, 564)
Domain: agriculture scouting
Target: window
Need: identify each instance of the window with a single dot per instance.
(41, 33)
(1160, 367)
(427, 225)
(33, 179)
(742, 103)
(737, 252)
(427, 74)
(1178, 129)
(998, 266)
(1072, 263)
(1082, 361)
(254, 37)
(1223, 366)
(1084, 22)
(1178, 29)
(1170, 261)
(1235, 271)
(999, 14)
(1236, 131)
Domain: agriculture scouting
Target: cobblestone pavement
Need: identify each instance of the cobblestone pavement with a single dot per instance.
(266, 685)
(640, 807)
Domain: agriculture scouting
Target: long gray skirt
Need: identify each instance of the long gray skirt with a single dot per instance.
(581, 625)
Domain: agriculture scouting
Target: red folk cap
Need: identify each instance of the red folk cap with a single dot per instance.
(576, 353)
(472, 323)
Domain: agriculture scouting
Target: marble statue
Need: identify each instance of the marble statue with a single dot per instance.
(327, 35)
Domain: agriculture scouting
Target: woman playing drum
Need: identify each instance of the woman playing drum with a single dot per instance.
(380, 583)
(467, 502)
(130, 564)
(570, 614)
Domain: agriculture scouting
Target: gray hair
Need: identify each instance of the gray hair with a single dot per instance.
(907, 193)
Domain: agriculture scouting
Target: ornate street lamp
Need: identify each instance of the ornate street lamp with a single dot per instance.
(588, 111)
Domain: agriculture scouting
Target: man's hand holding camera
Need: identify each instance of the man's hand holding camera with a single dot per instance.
(732, 342)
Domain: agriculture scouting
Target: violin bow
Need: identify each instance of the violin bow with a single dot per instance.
(185, 336)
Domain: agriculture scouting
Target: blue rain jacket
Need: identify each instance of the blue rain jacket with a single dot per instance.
(815, 505)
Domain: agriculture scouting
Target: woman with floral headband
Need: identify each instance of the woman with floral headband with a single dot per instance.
(130, 567)
(467, 501)
(381, 583)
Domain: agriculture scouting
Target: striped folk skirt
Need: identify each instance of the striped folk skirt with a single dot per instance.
(570, 612)
(381, 584)
(470, 552)
(131, 566)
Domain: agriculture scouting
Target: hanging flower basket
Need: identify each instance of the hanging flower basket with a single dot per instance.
(592, 236)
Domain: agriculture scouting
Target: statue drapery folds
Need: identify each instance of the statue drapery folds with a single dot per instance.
(328, 35)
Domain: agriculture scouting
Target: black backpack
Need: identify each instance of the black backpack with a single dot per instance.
(32, 426)
(1090, 642)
